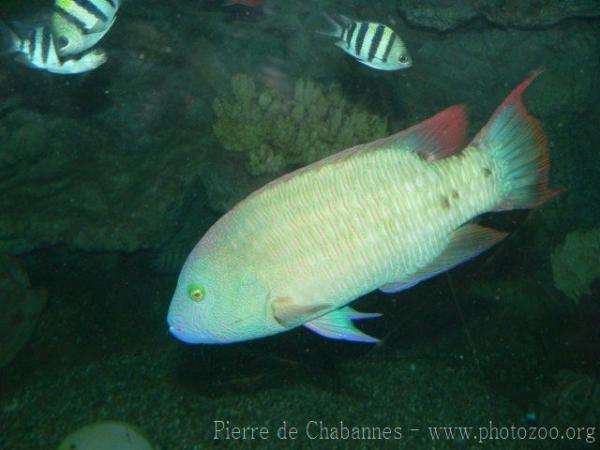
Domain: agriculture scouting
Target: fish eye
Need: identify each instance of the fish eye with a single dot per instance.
(403, 59)
(63, 41)
(196, 292)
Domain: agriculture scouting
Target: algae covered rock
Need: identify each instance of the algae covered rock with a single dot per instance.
(20, 308)
(71, 184)
(277, 131)
(106, 435)
(576, 263)
(572, 397)
(443, 15)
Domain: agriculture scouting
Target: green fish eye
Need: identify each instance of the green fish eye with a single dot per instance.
(196, 292)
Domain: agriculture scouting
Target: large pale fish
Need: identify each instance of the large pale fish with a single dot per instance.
(386, 215)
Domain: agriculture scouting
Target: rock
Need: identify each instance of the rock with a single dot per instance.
(20, 308)
(106, 435)
(537, 13)
(576, 263)
(112, 180)
(480, 69)
(439, 15)
(444, 15)
(226, 184)
(571, 397)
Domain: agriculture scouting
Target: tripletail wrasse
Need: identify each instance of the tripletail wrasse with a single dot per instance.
(383, 215)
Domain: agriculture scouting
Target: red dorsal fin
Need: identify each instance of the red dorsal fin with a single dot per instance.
(435, 138)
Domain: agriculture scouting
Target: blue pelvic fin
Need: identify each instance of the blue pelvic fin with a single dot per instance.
(338, 325)
(466, 242)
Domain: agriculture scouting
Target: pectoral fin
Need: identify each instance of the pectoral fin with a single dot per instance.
(338, 325)
(466, 242)
(290, 313)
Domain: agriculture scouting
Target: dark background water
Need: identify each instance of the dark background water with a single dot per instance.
(109, 178)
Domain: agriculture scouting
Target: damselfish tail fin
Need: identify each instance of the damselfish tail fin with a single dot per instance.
(336, 29)
(517, 143)
(10, 42)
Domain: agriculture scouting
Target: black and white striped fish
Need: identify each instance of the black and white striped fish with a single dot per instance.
(373, 44)
(77, 25)
(34, 46)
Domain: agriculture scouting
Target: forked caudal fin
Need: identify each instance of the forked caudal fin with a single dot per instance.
(9, 39)
(335, 29)
(518, 145)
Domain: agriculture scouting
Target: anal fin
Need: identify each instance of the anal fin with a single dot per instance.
(466, 243)
(338, 325)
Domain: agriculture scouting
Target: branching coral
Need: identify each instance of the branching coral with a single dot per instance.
(276, 132)
(576, 263)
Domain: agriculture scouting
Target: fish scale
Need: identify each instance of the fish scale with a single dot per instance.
(312, 216)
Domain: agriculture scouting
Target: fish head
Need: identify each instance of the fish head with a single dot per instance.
(73, 43)
(68, 39)
(399, 56)
(216, 303)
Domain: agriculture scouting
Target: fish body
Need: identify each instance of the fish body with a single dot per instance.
(373, 44)
(385, 215)
(35, 48)
(78, 25)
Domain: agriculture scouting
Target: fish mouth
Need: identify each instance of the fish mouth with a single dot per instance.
(179, 334)
(184, 332)
(178, 327)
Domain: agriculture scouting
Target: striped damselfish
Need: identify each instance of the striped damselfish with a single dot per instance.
(387, 215)
(35, 47)
(373, 44)
(78, 25)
